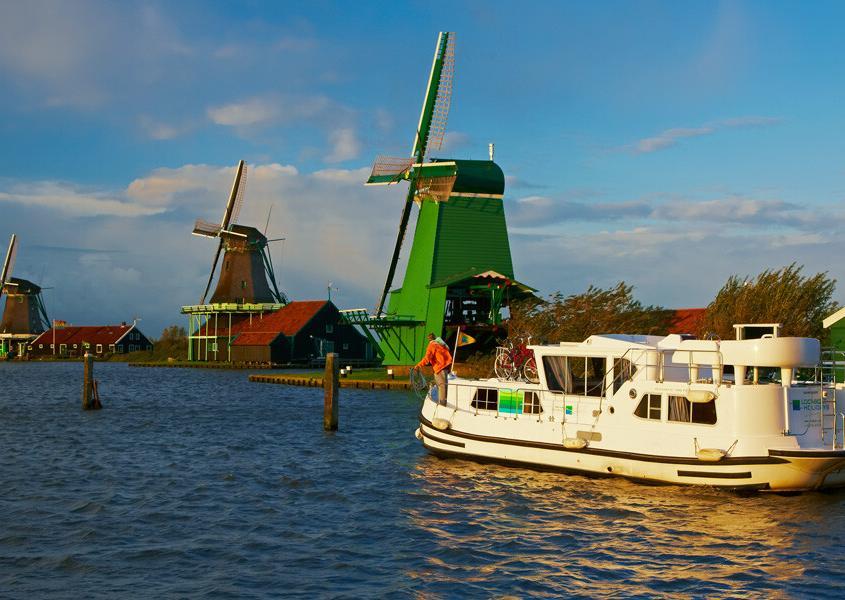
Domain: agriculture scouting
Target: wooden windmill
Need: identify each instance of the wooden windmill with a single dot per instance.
(24, 316)
(246, 276)
(459, 272)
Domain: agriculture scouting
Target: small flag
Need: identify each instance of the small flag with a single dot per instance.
(465, 340)
(59, 324)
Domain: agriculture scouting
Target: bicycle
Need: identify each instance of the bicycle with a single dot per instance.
(516, 362)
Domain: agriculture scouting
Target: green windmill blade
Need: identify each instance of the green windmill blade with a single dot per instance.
(430, 132)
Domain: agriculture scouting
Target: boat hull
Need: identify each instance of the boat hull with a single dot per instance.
(779, 471)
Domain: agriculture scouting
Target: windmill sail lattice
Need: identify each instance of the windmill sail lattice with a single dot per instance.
(440, 113)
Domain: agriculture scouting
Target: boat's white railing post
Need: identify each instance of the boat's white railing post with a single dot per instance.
(785, 407)
(661, 365)
(842, 431)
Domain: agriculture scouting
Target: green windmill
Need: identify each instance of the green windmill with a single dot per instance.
(459, 271)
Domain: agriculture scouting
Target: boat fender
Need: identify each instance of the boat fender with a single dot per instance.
(441, 424)
(700, 396)
(574, 443)
(418, 434)
(710, 454)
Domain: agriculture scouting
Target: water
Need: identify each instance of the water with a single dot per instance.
(194, 483)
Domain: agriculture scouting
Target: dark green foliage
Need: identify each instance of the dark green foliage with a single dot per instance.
(775, 296)
(574, 318)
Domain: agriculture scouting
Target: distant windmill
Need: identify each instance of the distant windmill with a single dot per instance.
(246, 276)
(24, 313)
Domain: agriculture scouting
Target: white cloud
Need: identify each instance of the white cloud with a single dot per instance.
(671, 265)
(335, 228)
(345, 145)
(82, 54)
(248, 112)
(69, 200)
(670, 137)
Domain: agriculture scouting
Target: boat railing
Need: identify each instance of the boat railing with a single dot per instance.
(656, 364)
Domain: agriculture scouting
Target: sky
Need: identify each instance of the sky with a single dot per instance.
(665, 144)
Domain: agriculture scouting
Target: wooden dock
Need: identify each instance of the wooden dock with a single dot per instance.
(202, 365)
(363, 384)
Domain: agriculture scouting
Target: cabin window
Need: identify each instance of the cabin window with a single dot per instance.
(649, 407)
(558, 376)
(99, 348)
(485, 399)
(681, 410)
(329, 328)
(120, 349)
(531, 403)
(111, 348)
(346, 346)
(40, 346)
(623, 370)
(62, 348)
(577, 375)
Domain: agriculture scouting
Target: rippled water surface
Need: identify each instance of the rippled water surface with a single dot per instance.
(199, 483)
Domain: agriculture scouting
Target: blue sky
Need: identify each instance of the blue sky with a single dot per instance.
(665, 144)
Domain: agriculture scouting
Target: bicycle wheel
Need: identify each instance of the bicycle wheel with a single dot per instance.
(503, 367)
(529, 371)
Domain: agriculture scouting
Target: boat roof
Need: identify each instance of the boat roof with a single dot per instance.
(616, 342)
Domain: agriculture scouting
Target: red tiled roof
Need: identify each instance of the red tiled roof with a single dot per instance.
(687, 320)
(262, 338)
(97, 334)
(288, 320)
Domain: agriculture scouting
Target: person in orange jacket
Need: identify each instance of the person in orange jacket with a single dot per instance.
(438, 356)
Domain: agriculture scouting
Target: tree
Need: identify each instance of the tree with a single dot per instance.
(575, 318)
(775, 296)
(173, 333)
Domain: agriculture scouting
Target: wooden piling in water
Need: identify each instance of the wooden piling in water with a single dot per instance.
(331, 387)
(90, 396)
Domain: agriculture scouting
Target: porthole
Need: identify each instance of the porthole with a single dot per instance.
(632, 393)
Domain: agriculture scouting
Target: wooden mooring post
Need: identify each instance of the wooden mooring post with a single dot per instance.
(90, 394)
(331, 386)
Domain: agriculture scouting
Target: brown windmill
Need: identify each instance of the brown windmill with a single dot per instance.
(246, 276)
(24, 316)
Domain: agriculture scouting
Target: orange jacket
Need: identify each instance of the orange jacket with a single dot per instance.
(437, 355)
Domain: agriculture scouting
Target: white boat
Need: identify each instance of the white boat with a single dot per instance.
(730, 414)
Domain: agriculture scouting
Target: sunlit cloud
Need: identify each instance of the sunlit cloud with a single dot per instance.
(671, 137)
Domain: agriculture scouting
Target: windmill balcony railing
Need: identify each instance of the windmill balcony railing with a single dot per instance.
(231, 307)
